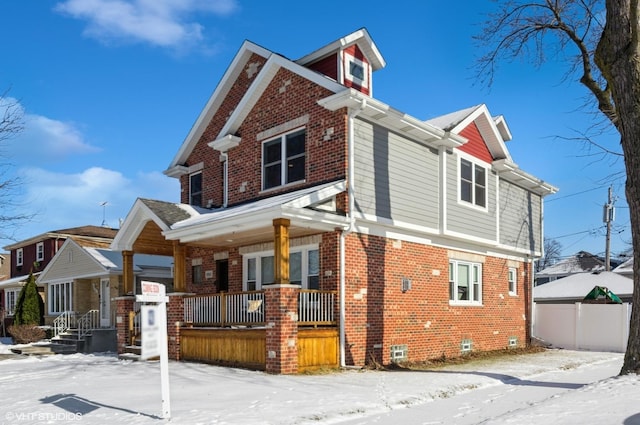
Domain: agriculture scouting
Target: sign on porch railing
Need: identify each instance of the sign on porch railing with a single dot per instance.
(154, 334)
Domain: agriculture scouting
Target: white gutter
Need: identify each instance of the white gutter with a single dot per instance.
(351, 205)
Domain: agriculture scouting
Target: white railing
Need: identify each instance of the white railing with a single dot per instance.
(248, 308)
(66, 320)
(87, 322)
(242, 308)
(316, 307)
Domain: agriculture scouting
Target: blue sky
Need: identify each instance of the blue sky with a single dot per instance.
(110, 89)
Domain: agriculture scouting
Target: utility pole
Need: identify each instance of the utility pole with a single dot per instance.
(609, 214)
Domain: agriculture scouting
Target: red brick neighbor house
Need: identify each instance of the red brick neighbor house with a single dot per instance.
(319, 226)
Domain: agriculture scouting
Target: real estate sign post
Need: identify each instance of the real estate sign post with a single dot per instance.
(153, 316)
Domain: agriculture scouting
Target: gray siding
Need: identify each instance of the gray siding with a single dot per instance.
(81, 264)
(520, 222)
(395, 178)
(466, 219)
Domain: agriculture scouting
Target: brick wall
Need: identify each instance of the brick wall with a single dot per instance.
(380, 314)
(287, 98)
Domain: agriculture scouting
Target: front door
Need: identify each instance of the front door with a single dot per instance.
(105, 303)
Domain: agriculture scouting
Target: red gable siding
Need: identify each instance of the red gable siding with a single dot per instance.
(475, 146)
(355, 51)
(327, 66)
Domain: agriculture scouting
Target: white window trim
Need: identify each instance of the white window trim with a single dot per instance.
(304, 249)
(475, 163)
(364, 83)
(9, 309)
(513, 272)
(50, 297)
(19, 256)
(471, 301)
(283, 159)
(40, 251)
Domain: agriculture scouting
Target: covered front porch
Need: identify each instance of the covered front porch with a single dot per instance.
(219, 312)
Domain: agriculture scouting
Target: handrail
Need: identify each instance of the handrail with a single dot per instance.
(65, 321)
(87, 322)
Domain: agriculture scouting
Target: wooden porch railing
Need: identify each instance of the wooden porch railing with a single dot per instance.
(247, 309)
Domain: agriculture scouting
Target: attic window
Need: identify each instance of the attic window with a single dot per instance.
(356, 71)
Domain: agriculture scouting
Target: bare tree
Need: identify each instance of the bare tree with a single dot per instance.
(600, 42)
(552, 251)
(11, 124)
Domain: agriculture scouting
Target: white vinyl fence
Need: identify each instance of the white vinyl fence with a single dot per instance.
(594, 327)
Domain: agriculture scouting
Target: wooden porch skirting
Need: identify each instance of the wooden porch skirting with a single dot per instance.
(246, 348)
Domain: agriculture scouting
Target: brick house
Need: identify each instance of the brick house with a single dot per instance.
(32, 255)
(322, 217)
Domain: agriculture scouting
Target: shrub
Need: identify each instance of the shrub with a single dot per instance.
(25, 334)
(29, 308)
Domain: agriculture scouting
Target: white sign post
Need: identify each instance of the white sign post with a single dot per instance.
(154, 334)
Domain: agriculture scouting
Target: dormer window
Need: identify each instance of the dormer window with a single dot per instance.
(19, 256)
(283, 160)
(356, 71)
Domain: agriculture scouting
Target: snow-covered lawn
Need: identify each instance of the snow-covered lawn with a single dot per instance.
(100, 389)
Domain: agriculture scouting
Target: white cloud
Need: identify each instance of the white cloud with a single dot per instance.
(43, 138)
(163, 23)
(62, 200)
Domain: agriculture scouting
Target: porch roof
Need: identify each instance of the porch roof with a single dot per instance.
(17, 281)
(236, 225)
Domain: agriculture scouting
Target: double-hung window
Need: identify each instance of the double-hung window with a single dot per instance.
(473, 183)
(195, 189)
(513, 283)
(304, 268)
(283, 160)
(60, 297)
(10, 299)
(465, 282)
(19, 256)
(40, 251)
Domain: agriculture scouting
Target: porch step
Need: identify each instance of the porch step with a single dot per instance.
(45, 349)
(68, 341)
(131, 352)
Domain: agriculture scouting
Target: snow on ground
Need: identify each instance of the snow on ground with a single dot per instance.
(536, 388)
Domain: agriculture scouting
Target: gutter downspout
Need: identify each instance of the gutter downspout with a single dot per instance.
(346, 231)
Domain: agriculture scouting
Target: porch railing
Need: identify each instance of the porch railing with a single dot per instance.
(241, 308)
(84, 323)
(247, 309)
(65, 321)
(87, 322)
(316, 307)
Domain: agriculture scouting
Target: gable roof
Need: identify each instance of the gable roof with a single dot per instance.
(360, 37)
(581, 262)
(494, 131)
(98, 233)
(231, 225)
(577, 286)
(102, 262)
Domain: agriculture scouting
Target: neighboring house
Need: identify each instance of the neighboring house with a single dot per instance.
(308, 207)
(582, 262)
(34, 254)
(574, 288)
(563, 318)
(82, 278)
(626, 268)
